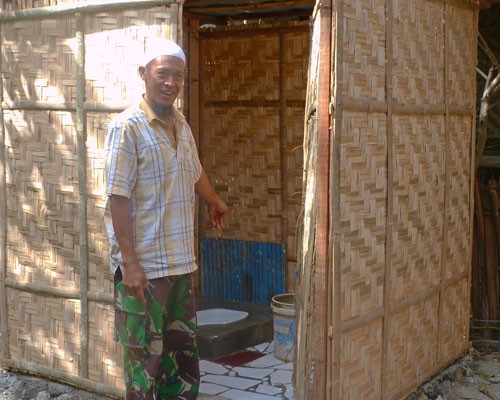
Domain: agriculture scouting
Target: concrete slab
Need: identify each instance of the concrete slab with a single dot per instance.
(216, 341)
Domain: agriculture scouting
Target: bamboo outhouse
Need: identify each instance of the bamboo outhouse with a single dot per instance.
(343, 136)
(390, 122)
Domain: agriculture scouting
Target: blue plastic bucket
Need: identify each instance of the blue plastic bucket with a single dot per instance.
(283, 308)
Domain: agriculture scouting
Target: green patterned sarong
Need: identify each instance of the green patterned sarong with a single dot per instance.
(161, 359)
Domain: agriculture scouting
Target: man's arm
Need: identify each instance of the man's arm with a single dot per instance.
(134, 278)
(216, 207)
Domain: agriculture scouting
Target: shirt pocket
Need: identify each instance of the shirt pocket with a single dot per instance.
(131, 320)
(188, 161)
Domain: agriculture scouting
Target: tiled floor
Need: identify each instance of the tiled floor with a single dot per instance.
(264, 378)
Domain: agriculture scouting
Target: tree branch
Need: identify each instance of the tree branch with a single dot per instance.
(487, 100)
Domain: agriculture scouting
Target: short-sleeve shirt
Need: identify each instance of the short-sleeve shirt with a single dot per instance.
(157, 171)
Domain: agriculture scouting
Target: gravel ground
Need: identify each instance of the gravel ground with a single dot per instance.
(19, 386)
(474, 377)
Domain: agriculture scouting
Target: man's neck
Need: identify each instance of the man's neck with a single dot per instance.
(162, 111)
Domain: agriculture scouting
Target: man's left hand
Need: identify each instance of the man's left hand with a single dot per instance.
(216, 211)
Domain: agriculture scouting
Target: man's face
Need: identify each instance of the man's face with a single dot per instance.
(163, 80)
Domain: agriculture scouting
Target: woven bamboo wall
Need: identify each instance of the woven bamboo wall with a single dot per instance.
(56, 295)
(252, 153)
(396, 307)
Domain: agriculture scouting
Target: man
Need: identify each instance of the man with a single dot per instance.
(152, 174)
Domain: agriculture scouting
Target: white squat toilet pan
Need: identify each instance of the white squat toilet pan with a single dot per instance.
(219, 316)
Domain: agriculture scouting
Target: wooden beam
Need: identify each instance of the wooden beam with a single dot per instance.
(257, 32)
(281, 5)
(90, 6)
(255, 103)
(489, 162)
(487, 3)
(224, 19)
(205, 19)
(61, 293)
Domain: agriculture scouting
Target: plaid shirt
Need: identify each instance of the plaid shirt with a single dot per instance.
(145, 163)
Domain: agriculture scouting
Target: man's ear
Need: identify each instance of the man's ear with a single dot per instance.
(142, 72)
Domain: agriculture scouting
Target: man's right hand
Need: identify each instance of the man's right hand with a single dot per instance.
(135, 281)
(134, 278)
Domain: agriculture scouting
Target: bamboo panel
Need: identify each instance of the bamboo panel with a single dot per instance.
(42, 199)
(105, 355)
(44, 330)
(361, 377)
(296, 59)
(247, 172)
(453, 320)
(363, 196)
(460, 40)
(364, 50)
(246, 168)
(64, 336)
(419, 176)
(39, 60)
(100, 275)
(457, 250)
(400, 199)
(412, 350)
(241, 68)
(418, 57)
(120, 36)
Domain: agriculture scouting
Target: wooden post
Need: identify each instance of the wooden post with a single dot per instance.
(4, 327)
(495, 203)
(283, 150)
(303, 385)
(336, 25)
(390, 206)
(193, 115)
(322, 275)
(81, 136)
(490, 243)
(447, 178)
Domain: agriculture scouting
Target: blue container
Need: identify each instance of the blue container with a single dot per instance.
(283, 308)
